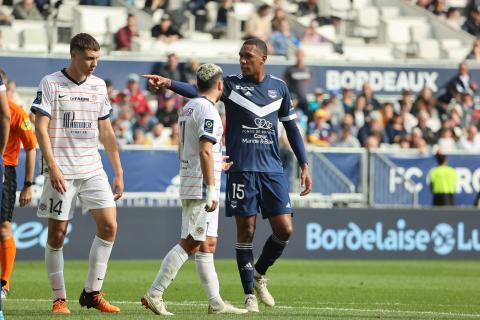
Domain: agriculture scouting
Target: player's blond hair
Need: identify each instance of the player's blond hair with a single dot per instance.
(208, 75)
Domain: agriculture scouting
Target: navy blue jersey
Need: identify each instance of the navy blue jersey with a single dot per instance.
(253, 113)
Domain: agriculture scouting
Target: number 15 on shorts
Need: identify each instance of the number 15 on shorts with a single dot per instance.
(238, 191)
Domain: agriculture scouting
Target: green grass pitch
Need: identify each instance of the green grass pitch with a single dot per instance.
(304, 289)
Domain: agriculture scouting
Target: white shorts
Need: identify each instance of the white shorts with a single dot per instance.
(93, 193)
(196, 221)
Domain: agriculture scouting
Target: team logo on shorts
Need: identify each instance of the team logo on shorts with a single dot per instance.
(199, 231)
(43, 207)
(208, 126)
(272, 94)
(233, 204)
(26, 124)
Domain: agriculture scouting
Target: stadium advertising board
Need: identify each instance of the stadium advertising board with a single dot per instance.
(148, 233)
(416, 168)
(386, 80)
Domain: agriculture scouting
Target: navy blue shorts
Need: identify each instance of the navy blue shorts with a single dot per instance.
(249, 193)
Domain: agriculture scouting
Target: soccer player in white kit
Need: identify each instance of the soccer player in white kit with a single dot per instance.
(72, 114)
(201, 164)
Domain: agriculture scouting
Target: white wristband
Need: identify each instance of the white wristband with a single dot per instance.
(211, 195)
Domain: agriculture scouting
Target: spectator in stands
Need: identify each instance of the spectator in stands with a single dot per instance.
(336, 109)
(467, 106)
(425, 4)
(123, 37)
(407, 97)
(426, 98)
(278, 15)
(320, 131)
(139, 137)
(358, 112)
(443, 182)
(170, 68)
(439, 8)
(12, 94)
(460, 83)
(190, 72)
(372, 127)
(165, 31)
(308, 7)
(222, 15)
(387, 111)
(372, 102)
(134, 96)
(316, 103)
(372, 142)
(44, 6)
(345, 139)
(5, 18)
(174, 138)
(446, 141)
(409, 120)
(427, 133)
(418, 142)
(395, 129)
(26, 10)
(283, 42)
(472, 25)
(153, 5)
(144, 122)
(311, 36)
(348, 100)
(454, 18)
(471, 142)
(168, 115)
(475, 53)
(259, 24)
(157, 135)
(298, 78)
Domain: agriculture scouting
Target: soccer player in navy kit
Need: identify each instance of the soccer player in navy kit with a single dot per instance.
(255, 102)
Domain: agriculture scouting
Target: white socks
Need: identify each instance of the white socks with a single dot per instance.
(54, 262)
(172, 262)
(208, 277)
(98, 259)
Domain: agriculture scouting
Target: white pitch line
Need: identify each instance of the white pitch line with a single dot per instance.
(202, 303)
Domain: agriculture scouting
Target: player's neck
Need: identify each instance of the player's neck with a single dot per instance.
(74, 74)
(210, 96)
(256, 78)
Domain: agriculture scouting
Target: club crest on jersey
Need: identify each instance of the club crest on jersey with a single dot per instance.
(208, 126)
(272, 94)
(199, 231)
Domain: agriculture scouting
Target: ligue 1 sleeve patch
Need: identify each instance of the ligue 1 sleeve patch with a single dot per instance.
(38, 98)
(208, 126)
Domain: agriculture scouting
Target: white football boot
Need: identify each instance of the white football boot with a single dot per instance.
(260, 284)
(157, 305)
(225, 308)
(251, 303)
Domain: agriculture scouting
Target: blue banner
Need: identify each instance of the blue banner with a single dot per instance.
(417, 167)
(385, 80)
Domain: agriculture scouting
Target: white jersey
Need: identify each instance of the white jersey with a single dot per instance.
(74, 110)
(199, 119)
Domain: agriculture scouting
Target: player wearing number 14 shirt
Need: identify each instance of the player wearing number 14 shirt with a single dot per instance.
(255, 102)
(72, 115)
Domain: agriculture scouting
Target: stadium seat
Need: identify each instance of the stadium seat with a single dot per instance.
(10, 39)
(388, 12)
(101, 22)
(420, 31)
(340, 8)
(243, 10)
(318, 51)
(328, 32)
(456, 3)
(157, 16)
(368, 53)
(34, 40)
(367, 23)
(360, 4)
(428, 49)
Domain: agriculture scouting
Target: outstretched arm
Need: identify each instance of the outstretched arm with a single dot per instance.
(182, 88)
(296, 142)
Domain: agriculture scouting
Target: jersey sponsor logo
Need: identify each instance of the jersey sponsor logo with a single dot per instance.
(38, 98)
(244, 88)
(261, 124)
(208, 126)
(70, 123)
(272, 94)
(81, 99)
(26, 124)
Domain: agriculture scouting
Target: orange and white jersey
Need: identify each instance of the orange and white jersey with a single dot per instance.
(198, 120)
(74, 109)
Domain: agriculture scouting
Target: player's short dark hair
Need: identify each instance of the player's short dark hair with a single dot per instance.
(441, 158)
(3, 76)
(207, 76)
(259, 43)
(84, 41)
